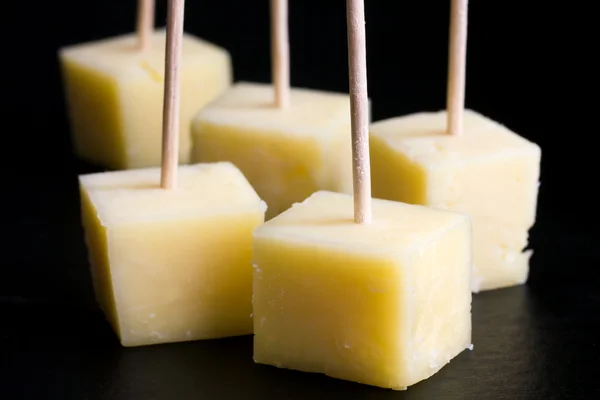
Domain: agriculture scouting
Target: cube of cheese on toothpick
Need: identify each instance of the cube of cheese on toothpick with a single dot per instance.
(286, 154)
(386, 303)
(487, 172)
(172, 265)
(115, 96)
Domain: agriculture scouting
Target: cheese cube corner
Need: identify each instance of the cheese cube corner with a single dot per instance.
(286, 154)
(172, 265)
(488, 172)
(114, 96)
(386, 304)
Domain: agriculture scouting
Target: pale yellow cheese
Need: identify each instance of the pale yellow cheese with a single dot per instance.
(488, 172)
(285, 154)
(115, 96)
(386, 304)
(172, 265)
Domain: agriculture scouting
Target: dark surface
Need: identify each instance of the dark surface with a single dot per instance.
(529, 67)
(529, 344)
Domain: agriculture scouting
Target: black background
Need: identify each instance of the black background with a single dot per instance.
(531, 65)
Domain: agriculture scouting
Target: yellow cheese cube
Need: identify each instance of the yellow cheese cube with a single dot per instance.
(286, 154)
(115, 96)
(172, 265)
(386, 304)
(488, 172)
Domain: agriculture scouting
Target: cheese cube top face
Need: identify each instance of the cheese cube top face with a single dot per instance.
(386, 304)
(115, 91)
(286, 154)
(488, 172)
(172, 265)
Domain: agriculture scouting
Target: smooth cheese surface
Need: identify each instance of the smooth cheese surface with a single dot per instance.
(285, 154)
(489, 172)
(386, 304)
(115, 96)
(172, 265)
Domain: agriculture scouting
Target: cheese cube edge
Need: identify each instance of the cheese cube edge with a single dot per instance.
(489, 172)
(155, 272)
(317, 303)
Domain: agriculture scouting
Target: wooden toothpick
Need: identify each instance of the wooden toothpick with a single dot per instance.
(170, 137)
(457, 60)
(280, 53)
(359, 107)
(145, 23)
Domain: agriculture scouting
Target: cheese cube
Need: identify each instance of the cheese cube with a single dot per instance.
(115, 96)
(488, 172)
(386, 304)
(172, 265)
(285, 154)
